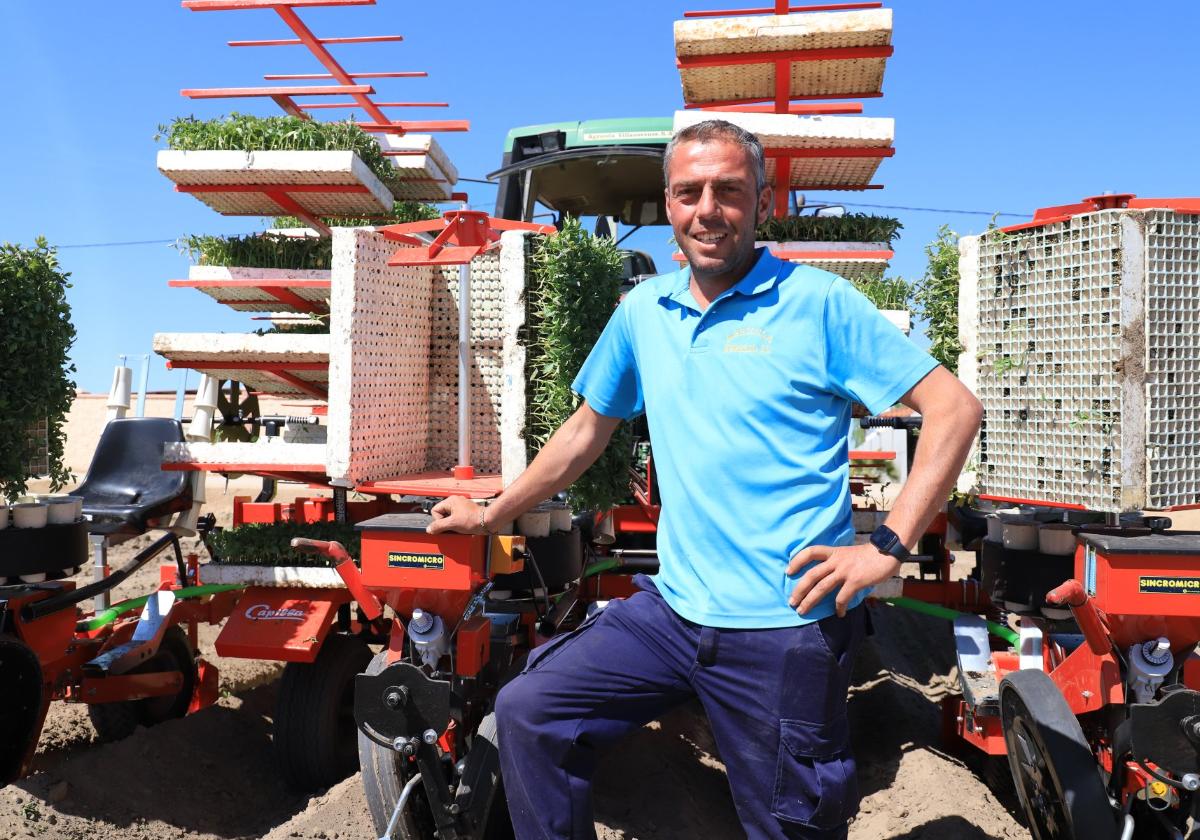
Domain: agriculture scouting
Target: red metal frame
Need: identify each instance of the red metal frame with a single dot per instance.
(783, 7)
(1111, 201)
(277, 289)
(284, 97)
(279, 370)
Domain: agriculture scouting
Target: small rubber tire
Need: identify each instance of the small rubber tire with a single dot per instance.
(314, 727)
(385, 772)
(116, 721)
(1055, 773)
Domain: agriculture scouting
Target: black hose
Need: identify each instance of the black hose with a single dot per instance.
(39, 609)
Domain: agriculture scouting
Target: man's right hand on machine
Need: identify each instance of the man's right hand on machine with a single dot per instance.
(460, 515)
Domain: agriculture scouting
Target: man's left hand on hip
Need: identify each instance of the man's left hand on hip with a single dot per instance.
(847, 569)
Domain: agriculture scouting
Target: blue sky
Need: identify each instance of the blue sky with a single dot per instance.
(998, 107)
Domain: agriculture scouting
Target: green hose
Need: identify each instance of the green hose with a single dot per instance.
(117, 610)
(944, 612)
(600, 567)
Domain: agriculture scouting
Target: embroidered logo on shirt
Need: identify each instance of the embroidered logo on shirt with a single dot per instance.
(748, 340)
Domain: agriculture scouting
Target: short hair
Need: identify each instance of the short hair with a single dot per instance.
(708, 130)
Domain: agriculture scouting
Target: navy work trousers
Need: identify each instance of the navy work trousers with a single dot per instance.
(776, 700)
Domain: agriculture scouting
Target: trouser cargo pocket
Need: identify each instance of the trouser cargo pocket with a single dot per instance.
(815, 783)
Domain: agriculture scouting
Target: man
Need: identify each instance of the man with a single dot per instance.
(746, 368)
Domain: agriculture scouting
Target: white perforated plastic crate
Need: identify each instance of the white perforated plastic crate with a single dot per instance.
(1082, 339)
(379, 366)
(309, 171)
(772, 34)
(781, 132)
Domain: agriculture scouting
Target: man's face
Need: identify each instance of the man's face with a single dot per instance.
(713, 205)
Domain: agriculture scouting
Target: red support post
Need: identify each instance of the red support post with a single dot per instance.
(296, 42)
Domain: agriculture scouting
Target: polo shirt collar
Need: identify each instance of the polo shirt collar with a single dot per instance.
(762, 277)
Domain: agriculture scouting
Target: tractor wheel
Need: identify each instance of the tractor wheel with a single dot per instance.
(385, 772)
(114, 721)
(314, 718)
(1057, 778)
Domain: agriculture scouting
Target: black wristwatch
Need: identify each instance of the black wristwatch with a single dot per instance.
(888, 542)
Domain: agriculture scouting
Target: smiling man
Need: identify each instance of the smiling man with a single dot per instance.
(746, 368)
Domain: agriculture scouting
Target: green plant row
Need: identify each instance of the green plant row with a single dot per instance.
(402, 211)
(574, 287)
(853, 227)
(259, 250)
(885, 292)
(35, 386)
(935, 298)
(245, 133)
(270, 545)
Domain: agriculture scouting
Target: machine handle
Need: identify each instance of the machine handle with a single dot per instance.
(912, 421)
(1072, 594)
(331, 549)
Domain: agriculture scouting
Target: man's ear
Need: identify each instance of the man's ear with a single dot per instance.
(667, 204)
(766, 198)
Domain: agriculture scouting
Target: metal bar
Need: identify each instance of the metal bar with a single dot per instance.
(848, 187)
(270, 188)
(846, 256)
(801, 110)
(281, 197)
(296, 42)
(296, 382)
(718, 104)
(269, 367)
(233, 5)
(264, 284)
(464, 365)
(323, 55)
(689, 62)
(347, 89)
(295, 301)
(314, 105)
(398, 74)
(783, 85)
(832, 152)
(783, 180)
(783, 9)
(143, 382)
(415, 125)
(289, 107)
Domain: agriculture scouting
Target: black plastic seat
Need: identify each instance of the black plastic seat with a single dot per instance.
(126, 486)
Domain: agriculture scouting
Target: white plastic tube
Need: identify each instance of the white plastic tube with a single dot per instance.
(118, 394)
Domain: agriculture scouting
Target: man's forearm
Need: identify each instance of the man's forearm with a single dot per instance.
(566, 456)
(942, 449)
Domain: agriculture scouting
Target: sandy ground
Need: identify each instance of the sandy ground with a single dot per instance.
(211, 775)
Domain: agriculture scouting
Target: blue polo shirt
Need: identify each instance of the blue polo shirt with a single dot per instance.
(748, 404)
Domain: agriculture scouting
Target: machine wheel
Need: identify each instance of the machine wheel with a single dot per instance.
(384, 774)
(1055, 773)
(114, 721)
(314, 719)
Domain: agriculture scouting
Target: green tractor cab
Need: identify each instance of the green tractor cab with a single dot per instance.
(591, 168)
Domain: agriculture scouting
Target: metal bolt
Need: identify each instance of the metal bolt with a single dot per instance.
(395, 697)
(1191, 781)
(1087, 695)
(399, 744)
(452, 809)
(429, 736)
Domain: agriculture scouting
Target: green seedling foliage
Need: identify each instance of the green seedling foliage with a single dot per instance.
(260, 251)
(270, 545)
(885, 292)
(853, 227)
(402, 212)
(35, 385)
(936, 298)
(574, 287)
(245, 133)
